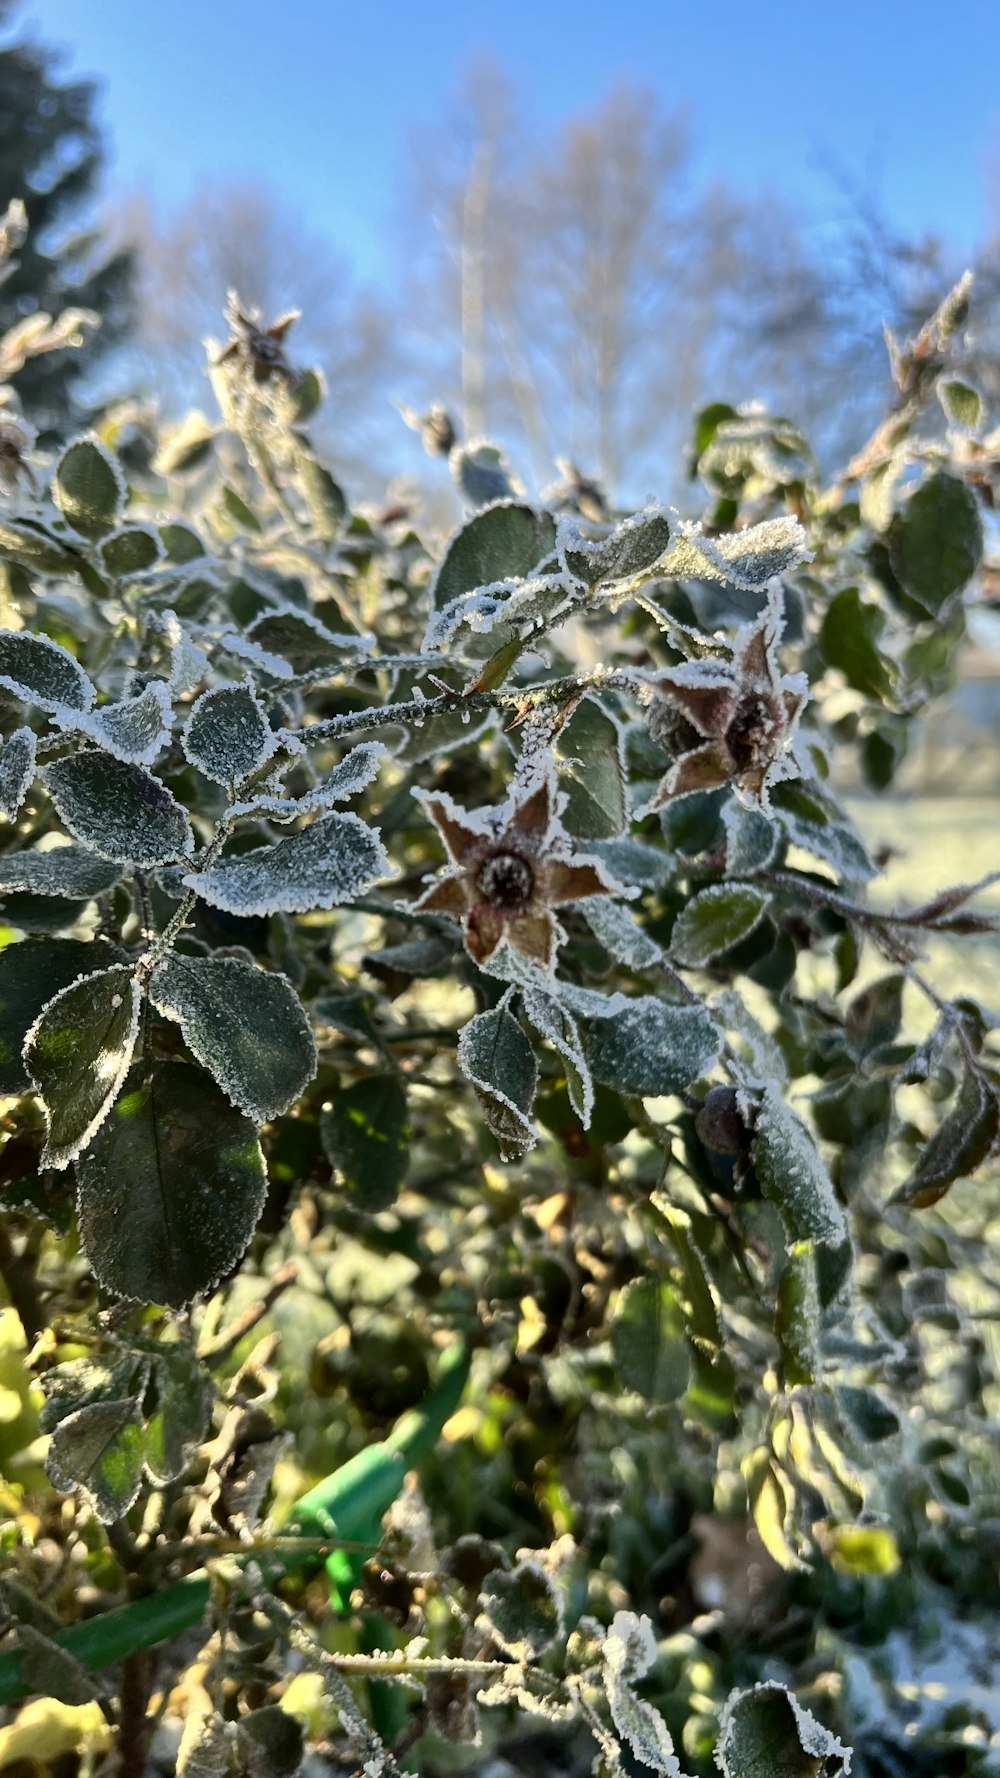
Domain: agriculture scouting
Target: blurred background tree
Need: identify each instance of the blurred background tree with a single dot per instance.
(51, 157)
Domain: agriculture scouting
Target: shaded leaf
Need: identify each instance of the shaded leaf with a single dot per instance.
(495, 1055)
(936, 542)
(88, 487)
(227, 735)
(31, 974)
(592, 771)
(633, 547)
(244, 1024)
(69, 872)
(134, 730)
(330, 862)
(171, 1189)
(366, 1139)
(792, 1174)
(715, 920)
(849, 636)
(766, 1733)
(522, 1608)
(647, 1339)
(77, 1054)
(356, 771)
(41, 672)
(300, 639)
(17, 769)
(812, 820)
(629, 1652)
(646, 1047)
(119, 810)
(130, 550)
(98, 1451)
(962, 403)
(503, 542)
(959, 1145)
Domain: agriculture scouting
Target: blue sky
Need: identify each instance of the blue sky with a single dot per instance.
(320, 97)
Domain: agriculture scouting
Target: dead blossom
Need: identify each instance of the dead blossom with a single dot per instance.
(257, 350)
(729, 721)
(510, 867)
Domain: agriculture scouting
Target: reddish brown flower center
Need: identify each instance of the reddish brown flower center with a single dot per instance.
(756, 730)
(505, 880)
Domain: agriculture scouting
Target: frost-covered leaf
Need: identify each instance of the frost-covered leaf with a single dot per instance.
(631, 862)
(135, 730)
(849, 637)
(270, 1743)
(961, 401)
(227, 734)
(98, 1451)
(767, 1733)
(751, 839)
(482, 472)
(366, 1139)
(205, 1749)
(749, 559)
(171, 1188)
(792, 1174)
(715, 920)
(522, 1609)
(959, 1145)
(591, 761)
(31, 974)
(119, 810)
(620, 933)
(356, 771)
(71, 872)
(188, 662)
(495, 1055)
(77, 1054)
(46, 1668)
(41, 672)
(936, 542)
(177, 1419)
(629, 1652)
(797, 1315)
(35, 547)
(762, 1051)
(556, 1026)
(330, 862)
(647, 1339)
(244, 1024)
(88, 487)
(186, 445)
(503, 542)
(325, 497)
(634, 546)
(812, 820)
(302, 640)
(17, 769)
(868, 1416)
(130, 550)
(646, 1047)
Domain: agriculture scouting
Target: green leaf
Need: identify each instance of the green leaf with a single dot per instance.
(555, 1024)
(522, 1609)
(482, 472)
(366, 1139)
(98, 1451)
(77, 1054)
(629, 1652)
(751, 839)
(70, 872)
(715, 920)
(797, 1315)
(300, 639)
(324, 497)
(186, 446)
(88, 487)
(31, 545)
(812, 820)
(227, 735)
(592, 770)
(646, 1047)
(330, 862)
(962, 403)
(633, 548)
(503, 542)
(703, 1322)
(849, 636)
(766, 1733)
(130, 550)
(31, 974)
(177, 1406)
(959, 1145)
(17, 770)
(495, 1055)
(119, 810)
(867, 1415)
(171, 1189)
(245, 1025)
(936, 542)
(41, 672)
(793, 1176)
(647, 1339)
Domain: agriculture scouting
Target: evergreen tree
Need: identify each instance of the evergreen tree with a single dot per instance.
(50, 156)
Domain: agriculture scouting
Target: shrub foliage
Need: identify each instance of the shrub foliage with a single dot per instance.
(430, 957)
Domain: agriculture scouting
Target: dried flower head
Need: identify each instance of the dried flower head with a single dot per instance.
(16, 440)
(510, 867)
(727, 721)
(257, 350)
